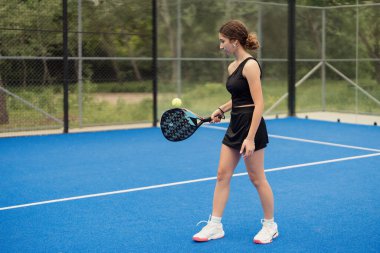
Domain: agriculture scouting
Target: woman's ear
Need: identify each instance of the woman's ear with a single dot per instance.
(234, 42)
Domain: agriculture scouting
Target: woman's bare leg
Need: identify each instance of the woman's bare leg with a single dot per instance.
(228, 161)
(255, 169)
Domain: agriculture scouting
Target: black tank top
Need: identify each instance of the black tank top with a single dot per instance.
(238, 86)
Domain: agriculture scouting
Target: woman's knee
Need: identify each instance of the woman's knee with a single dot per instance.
(256, 181)
(224, 175)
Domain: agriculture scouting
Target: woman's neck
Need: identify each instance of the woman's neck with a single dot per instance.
(241, 55)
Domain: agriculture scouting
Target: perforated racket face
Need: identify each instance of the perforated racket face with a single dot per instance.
(178, 124)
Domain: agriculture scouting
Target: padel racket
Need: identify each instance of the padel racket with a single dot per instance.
(179, 124)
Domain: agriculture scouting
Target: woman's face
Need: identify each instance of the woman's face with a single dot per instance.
(226, 44)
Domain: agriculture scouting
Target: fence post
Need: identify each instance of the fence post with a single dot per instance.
(154, 60)
(291, 57)
(65, 69)
(80, 65)
(323, 55)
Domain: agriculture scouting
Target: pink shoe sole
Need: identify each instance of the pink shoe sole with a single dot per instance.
(260, 242)
(198, 239)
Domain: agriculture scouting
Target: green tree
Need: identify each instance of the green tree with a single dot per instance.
(370, 36)
(341, 32)
(121, 28)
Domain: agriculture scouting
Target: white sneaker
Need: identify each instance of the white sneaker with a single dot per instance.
(268, 232)
(211, 231)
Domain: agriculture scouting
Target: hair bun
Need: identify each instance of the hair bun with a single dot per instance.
(252, 42)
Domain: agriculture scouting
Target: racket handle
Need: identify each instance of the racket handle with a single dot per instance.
(208, 119)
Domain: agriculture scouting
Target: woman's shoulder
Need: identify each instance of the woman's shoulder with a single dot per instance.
(251, 65)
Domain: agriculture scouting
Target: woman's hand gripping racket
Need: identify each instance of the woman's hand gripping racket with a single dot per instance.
(179, 124)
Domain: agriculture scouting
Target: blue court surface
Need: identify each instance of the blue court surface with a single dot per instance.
(134, 191)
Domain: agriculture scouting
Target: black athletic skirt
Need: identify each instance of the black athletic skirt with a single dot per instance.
(241, 118)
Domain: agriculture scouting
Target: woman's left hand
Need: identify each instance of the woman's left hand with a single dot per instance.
(216, 116)
(249, 147)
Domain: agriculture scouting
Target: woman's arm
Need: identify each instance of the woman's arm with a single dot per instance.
(227, 106)
(251, 72)
(221, 111)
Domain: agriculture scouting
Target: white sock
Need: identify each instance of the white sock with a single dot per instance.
(269, 221)
(216, 220)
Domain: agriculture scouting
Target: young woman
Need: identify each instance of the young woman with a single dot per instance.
(246, 134)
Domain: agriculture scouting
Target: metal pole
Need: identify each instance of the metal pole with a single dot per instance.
(260, 31)
(353, 83)
(323, 53)
(26, 102)
(154, 60)
(297, 84)
(80, 67)
(356, 60)
(179, 50)
(291, 57)
(65, 69)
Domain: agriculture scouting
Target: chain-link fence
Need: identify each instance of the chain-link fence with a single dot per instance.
(194, 67)
(109, 63)
(110, 59)
(336, 54)
(345, 59)
(29, 78)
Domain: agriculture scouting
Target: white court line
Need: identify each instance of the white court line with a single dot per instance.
(182, 182)
(307, 140)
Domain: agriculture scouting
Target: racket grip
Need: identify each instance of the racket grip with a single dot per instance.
(208, 119)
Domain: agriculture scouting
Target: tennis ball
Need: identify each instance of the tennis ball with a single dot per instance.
(177, 102)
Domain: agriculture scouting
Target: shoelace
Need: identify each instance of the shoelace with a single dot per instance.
(202, 221)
